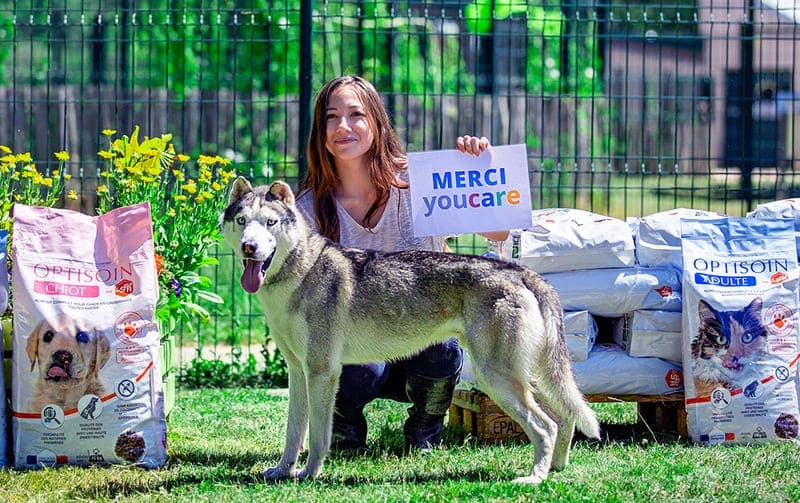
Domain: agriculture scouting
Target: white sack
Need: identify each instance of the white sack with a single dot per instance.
(563, 239)
(784, 208)
(581, 332)
(658, 237)
(650, 333)
(610, 371)
(614, 292)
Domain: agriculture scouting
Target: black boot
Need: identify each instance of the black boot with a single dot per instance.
(431, 399)
(349, 431)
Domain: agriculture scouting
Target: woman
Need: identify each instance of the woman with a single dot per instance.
(356, 193)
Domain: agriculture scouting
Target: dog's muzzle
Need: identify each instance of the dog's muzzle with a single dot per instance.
(59, 366)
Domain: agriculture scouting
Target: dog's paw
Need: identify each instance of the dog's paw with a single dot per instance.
(306, 474)
(530, 480)
(279, 473)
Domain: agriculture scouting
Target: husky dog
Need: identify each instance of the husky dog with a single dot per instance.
(327, 305)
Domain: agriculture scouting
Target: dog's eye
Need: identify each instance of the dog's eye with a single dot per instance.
(241, 220)
(82, 337)
(48, 336)
(272, 221)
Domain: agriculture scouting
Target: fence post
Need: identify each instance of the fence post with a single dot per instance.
(304, 107)
(748, 82)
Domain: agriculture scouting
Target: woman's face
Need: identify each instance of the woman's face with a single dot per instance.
(348, 134)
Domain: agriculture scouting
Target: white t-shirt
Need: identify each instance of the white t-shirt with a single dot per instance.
(393, 232)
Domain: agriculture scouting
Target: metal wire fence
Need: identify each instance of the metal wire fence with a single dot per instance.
(626, 108)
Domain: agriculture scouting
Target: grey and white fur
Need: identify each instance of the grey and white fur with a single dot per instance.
(327, 305)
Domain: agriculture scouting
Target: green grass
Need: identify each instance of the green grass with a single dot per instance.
(221, 440)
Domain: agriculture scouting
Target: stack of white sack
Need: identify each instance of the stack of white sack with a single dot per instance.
(591, 261)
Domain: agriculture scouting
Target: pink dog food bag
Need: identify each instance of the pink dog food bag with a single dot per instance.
(86, 384)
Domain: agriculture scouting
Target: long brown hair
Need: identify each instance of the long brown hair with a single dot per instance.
(385, 157)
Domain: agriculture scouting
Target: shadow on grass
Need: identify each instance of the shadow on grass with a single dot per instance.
(188, 470)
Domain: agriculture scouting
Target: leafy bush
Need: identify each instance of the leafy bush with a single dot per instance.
(240, 372)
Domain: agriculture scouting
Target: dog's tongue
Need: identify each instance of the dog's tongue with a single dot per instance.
(252, 277)
(56, 371)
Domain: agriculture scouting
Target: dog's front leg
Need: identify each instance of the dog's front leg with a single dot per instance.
(296, 425)
(322, 385)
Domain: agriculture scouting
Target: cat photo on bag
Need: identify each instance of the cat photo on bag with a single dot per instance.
(740, 329)
(726, 345)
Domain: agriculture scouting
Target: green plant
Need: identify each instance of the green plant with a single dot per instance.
(185, 200)
(239, 372)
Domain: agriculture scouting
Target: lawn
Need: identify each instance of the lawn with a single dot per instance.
(220, 440)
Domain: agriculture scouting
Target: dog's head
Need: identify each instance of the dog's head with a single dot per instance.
(257, 225)
(69, 350)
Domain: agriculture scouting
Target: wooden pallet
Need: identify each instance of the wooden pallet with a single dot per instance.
(487, 422)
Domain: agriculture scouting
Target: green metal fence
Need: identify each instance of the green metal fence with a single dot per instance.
(627, 108)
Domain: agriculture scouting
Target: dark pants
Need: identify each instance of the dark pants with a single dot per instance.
(361, 384)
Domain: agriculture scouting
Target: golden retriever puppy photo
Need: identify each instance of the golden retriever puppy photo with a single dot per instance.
(70, 352)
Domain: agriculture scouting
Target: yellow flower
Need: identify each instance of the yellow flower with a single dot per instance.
(5, 149)
(109, 132)
(105, 154)
(181, 198)
(102, 189)
(216, 186)
(183, 157)
(72, 195)
(62, 156)
(189, 187)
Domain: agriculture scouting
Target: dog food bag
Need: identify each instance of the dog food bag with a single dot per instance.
(740, 329)
(563, 239)
(3, 306)
(650, 333)
(658, 237)
(613, 292)
(86, 373)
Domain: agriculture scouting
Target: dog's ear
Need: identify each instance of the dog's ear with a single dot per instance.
(283, 192)
(32, 345)
(239, 188)
(102, 351)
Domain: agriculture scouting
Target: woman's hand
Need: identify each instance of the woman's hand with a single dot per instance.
(472, 144)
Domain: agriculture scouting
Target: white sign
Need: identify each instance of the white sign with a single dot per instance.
(454, 193)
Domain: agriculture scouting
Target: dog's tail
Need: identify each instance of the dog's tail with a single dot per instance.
(563, 377)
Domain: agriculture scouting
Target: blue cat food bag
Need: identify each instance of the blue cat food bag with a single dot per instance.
(740, 329)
